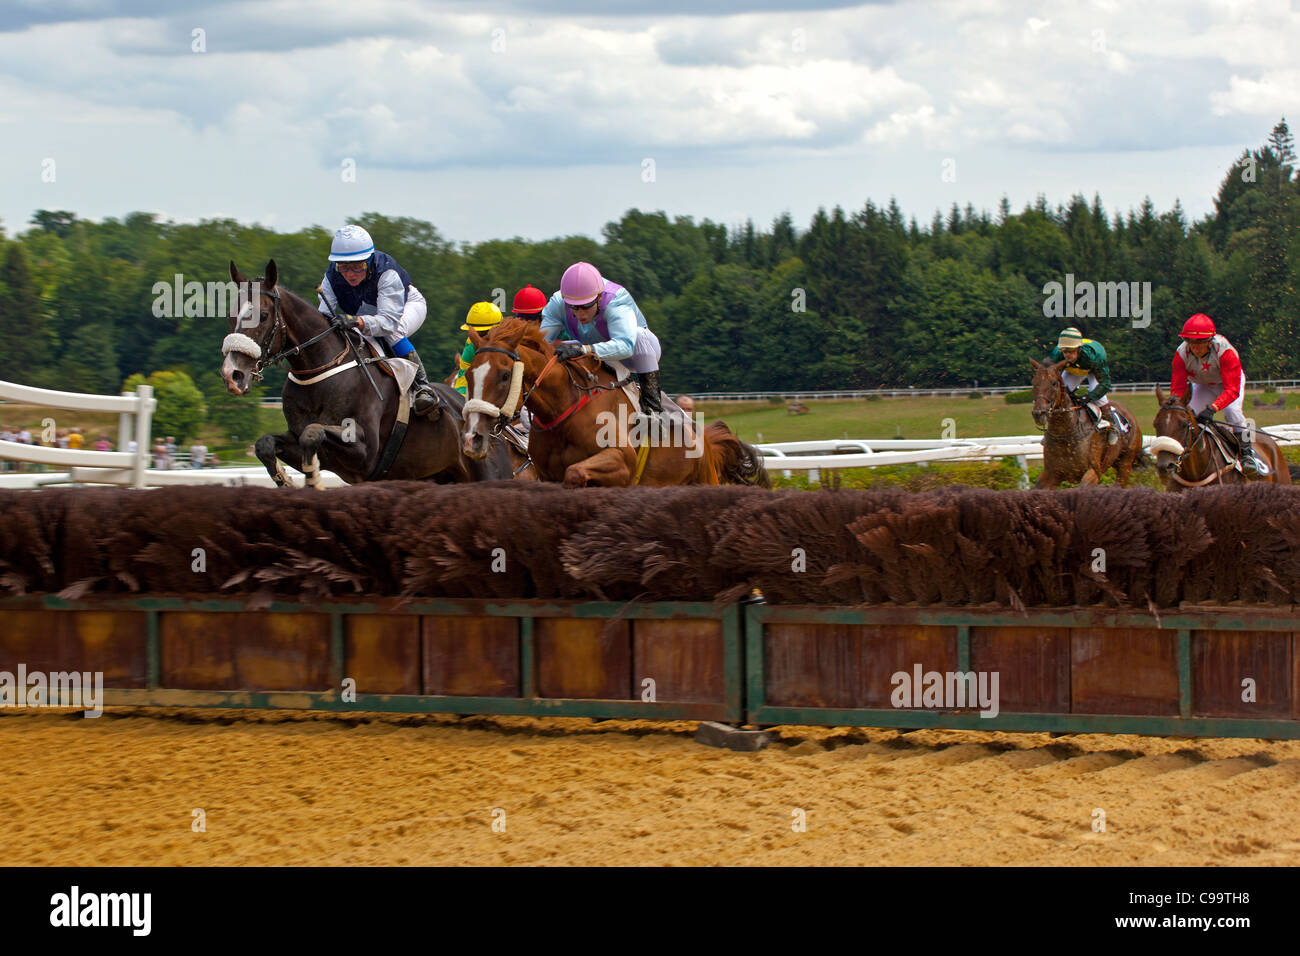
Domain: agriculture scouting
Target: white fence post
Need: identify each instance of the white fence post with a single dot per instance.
(125, 426)
(143, 425)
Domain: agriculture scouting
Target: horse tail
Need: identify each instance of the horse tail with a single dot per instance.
(736, 462)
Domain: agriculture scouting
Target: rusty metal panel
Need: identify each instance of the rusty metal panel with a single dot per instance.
(683, 657)
(471, 656)
(245, 651)
(1124, 670)
(849, 665)
(1221, 660)
(584, 657)
(112, 642)
(1032, 664)
(381, 652)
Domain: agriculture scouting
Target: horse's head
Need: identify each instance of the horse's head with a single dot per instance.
(1173, 425)
(1048, 389)
(257, 328)
(495, 379)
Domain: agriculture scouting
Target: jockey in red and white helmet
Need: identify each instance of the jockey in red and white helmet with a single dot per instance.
(1207, 362)
(603, 318)
(376, 295)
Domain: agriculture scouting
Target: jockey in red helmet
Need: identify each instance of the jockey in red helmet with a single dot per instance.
(1208, 364)
(528, 304)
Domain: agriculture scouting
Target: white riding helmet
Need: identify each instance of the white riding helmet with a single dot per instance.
(351, 244)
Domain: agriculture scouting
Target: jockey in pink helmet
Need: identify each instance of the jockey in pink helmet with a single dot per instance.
(603, 320)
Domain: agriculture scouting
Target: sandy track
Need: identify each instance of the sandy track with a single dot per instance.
(297, 788)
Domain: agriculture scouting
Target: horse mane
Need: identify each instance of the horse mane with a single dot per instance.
(521, 332)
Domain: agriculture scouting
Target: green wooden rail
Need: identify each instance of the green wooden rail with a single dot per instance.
(1180, 625)
(745, 672)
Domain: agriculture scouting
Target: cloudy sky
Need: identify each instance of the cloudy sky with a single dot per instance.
(540, 119)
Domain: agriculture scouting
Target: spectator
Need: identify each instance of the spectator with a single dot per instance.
(61, 439)
(198, 454)
(7, 434)
(103, 444)
(131, 446)
(76, 440)
(686, 404)
(160, 455)
(170, 445)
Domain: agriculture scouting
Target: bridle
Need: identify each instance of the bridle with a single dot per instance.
(247, 345)
(518, 397)
(1188, 448)
(1054, 407)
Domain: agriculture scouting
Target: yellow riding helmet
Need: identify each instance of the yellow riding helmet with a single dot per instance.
(482, 316)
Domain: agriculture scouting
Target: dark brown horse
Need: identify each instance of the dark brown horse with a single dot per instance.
(1073, 449)
(1188, 456)
(337, 421)
(578, 413)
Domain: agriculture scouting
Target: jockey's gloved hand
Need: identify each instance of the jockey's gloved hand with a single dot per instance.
(348, 321)
(1081, 396)
(567, 350)
(1205, 415)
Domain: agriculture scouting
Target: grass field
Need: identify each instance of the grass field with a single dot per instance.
(763, 421)
(921, 417)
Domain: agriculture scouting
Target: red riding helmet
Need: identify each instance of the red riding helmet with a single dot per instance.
(1199, 326)
(528, 301)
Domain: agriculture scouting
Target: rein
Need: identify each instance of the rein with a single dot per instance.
(1187, 450)
(238, 342)
(514, 401)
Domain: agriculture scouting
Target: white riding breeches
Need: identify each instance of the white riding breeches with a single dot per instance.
(1203, 395)
(1074, 381)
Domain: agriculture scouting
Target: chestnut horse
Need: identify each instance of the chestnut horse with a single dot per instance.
(578, 410)
(1073, 449)
(1188, 457)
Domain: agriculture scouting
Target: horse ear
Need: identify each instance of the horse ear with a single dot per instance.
(1060, 365)
(1184, 399)
(478, 340)
(1035, 364)
(272, 274)
(236, 275)
(1160, 395)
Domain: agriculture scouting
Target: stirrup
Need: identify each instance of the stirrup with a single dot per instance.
(419, 407)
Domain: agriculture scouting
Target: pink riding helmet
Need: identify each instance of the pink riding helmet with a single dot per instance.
(581, 283)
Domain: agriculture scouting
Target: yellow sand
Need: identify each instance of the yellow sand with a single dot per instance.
(298, 788)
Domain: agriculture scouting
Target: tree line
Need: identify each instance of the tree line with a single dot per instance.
(858, 299)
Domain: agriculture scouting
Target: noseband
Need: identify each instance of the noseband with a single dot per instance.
(505, 413)
(238, 342)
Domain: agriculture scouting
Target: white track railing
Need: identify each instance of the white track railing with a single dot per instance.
(833, 455)
(135, 416)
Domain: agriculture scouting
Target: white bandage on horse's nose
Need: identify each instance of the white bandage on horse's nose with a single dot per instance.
(239, 342)
(1165, 443)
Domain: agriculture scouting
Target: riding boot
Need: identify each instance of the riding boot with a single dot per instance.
(425, 400)
(649, 382)
(1112, 433)
(1249, 463)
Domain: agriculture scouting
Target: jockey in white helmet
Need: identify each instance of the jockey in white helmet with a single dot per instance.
(374, 294)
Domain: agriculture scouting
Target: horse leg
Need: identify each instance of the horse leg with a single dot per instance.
(350, 453)
(272, 449)
(607, 467)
